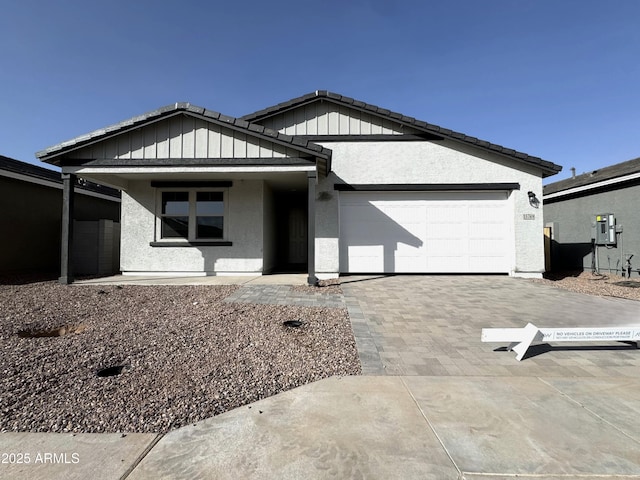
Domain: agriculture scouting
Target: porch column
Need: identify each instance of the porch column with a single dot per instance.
(311, 228)
(66, 267)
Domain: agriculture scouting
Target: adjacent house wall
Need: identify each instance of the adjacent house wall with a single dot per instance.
(96, 247)
(571, 223)
(32, 217)
(244, 228)
(428, 163)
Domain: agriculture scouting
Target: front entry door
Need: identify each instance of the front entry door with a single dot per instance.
(297, 251)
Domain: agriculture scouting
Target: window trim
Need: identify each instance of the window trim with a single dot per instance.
(191, 239)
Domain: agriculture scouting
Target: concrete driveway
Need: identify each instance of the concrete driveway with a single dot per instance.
(431, 325)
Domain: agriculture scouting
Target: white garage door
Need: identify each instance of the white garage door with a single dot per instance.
(425, 232)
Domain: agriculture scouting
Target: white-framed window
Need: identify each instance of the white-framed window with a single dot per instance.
(191, 214)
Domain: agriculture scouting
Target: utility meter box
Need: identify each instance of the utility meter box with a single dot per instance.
(605, 231)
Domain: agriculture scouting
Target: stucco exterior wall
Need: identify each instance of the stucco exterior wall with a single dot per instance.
(571, 219)
(429, 163)
(245, 230)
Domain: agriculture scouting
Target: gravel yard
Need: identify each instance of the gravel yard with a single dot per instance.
(592, 284)
(186, 355)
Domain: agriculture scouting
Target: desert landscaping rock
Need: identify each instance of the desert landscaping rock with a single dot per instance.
(604, 285)
(188, 355)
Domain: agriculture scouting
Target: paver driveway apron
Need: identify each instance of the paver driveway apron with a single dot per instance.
(431, 325)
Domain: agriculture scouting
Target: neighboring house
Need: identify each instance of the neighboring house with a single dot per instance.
(31, 206)
(571, 207)
(323, 184)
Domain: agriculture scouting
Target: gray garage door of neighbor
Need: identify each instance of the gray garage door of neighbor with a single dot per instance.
(425, 232)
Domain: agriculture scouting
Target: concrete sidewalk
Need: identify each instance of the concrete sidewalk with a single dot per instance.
(376, 428)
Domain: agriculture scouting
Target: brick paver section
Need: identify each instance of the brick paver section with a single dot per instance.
(431, 325)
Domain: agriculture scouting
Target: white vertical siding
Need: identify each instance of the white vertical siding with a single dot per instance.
(188, 137)
(311, 116)
(201, 139)
(175, 137)
(326, 118)
(137, 146)
(150, 142)
(183, 136)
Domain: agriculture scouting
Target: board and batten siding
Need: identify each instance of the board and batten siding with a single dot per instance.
(183, 136)
(326, 118)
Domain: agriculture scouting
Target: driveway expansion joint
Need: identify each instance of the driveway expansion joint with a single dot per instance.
(590, 411)
(431, 427)
(146, 452)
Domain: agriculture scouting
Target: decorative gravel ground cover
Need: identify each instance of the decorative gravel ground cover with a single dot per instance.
(604, 285)
(167, 355)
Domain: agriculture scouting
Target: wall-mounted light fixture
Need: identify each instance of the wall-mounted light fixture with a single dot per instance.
(533, 200)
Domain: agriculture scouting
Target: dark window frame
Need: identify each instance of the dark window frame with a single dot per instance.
(192, 237)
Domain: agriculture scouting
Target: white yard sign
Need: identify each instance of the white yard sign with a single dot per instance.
(590, 334)
(520, 339)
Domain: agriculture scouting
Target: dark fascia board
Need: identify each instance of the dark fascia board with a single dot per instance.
(424, 187)
(373, 138)
(607, 173)
(51, 154)
(548, 168)
(36, 172)
(188, 162)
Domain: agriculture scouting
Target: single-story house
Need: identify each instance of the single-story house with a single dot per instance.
(322, 183)
(31, 204)
(571, 208)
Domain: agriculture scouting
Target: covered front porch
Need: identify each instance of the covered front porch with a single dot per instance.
(202, 194)
(237, 222)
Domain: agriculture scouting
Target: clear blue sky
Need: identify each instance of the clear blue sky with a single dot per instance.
(558, 79)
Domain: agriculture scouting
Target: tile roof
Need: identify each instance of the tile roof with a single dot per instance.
(607, 173)
(548, 167)
(168, 110)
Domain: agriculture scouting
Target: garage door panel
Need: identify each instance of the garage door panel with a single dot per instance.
(447, 264)
(487, 230)
(486, 248)
(366, 259)
(423, 232)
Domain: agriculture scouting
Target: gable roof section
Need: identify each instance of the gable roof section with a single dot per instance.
(548, 168)
(613, 175)
(306, 148)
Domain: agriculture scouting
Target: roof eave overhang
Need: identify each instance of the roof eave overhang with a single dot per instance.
(582, 190)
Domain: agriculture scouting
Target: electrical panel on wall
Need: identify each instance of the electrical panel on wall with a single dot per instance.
(605, 229)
